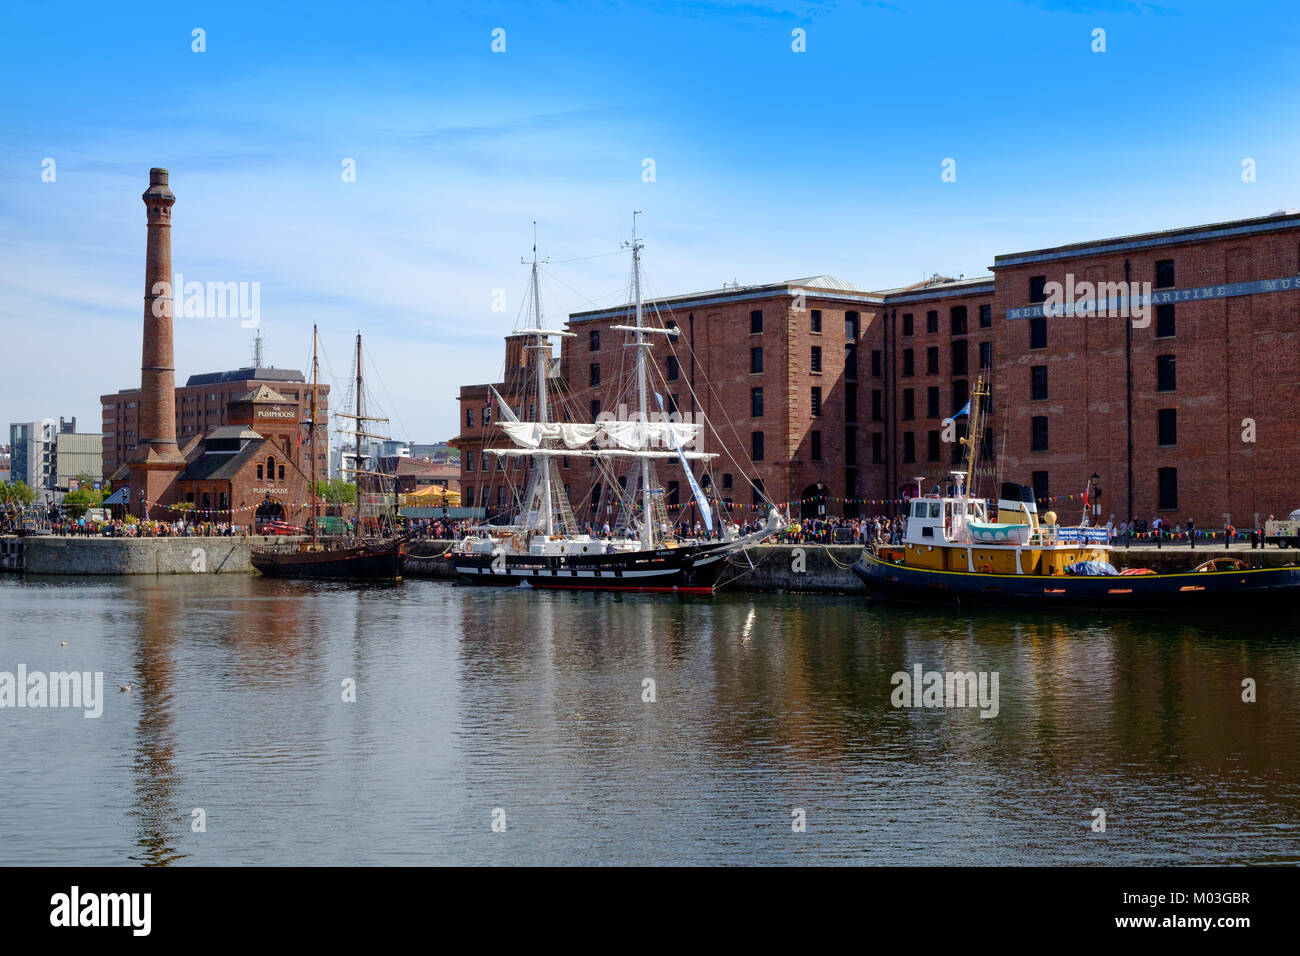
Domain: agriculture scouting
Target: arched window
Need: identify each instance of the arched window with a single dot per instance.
(270, 468)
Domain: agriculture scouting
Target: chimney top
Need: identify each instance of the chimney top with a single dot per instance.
(157, 176)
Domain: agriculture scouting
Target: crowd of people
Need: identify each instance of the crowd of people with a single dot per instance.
(180, 528)
(866, 531)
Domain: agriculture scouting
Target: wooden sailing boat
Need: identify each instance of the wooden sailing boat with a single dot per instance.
(373, 554)
(542, 547)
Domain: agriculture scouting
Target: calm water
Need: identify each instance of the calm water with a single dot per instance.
(471, 700)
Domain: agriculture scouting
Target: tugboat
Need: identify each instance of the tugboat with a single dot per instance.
(952, 553)
(543, 548)
(371, 557)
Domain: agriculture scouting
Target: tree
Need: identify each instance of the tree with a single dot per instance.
(337, 491)
(76, 502)
(18, 493)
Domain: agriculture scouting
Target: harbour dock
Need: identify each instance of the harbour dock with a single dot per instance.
(803, 568)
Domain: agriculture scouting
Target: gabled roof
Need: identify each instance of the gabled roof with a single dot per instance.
(211, 466)
(263, 393)
(241, 432)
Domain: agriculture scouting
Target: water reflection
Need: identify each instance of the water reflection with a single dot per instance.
(534, 702)
(158, 781)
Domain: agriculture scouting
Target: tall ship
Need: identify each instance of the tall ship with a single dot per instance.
(543, 546)
(955, 552)
(375, 551)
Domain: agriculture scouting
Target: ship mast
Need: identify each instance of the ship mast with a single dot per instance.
(976, 400)
(311, 442)
(543, 347)
(356, 444)
(647, 525)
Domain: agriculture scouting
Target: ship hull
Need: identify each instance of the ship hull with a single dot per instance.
(688, 570)
(891, 582)
(364, 563)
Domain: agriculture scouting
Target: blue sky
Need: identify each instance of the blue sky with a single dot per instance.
(769, 164)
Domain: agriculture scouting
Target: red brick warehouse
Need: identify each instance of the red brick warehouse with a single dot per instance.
(835, 399)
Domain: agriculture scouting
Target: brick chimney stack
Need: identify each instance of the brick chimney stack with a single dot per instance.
(156, 461)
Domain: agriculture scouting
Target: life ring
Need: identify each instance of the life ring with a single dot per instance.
(986, 568)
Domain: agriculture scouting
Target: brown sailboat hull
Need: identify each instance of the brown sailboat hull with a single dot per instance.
(367, 562)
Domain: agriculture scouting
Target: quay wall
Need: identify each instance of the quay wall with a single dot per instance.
(51, 554)
(827, 569)
(809, 568)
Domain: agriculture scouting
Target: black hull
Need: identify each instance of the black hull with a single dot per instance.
(1194, 590)
(366, 563)
(694, 569)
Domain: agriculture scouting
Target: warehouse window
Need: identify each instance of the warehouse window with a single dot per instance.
(1165, 274)
(1167, 479)
(756, 322)
(1167, 426)
(1039, 481)
(1038, 436)
(957, 319)
(755, 403)
(1038, 386)
(1166, 379)
(1038, 332)
(959, 359)
(1165, 324)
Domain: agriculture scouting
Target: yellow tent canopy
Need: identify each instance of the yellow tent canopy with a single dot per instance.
(432, 496)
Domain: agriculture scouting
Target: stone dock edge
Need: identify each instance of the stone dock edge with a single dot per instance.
(811, 568)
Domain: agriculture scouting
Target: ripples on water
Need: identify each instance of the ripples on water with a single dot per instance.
(470, 700)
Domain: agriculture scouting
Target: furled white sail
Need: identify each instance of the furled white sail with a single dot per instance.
(532, 434)
(629, 435)
(637, 435)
